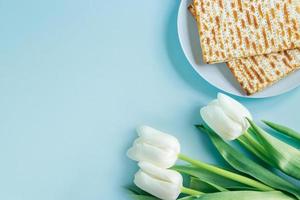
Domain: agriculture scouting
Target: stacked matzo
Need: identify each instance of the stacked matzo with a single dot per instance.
(247, 35)
(258, 72)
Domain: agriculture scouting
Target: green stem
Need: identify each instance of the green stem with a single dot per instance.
(190, 191)
(227, 174)
(253, 146)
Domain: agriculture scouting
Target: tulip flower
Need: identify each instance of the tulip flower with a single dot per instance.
(155, 147)
(162, 150)
(162, 183)
(226, 117)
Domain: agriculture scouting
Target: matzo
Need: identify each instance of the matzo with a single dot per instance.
(258, 72)
(231, 29)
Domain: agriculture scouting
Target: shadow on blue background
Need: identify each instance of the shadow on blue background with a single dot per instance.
(178, 59)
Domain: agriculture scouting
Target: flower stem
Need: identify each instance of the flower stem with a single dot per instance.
(256, 145)
(227, 174)
(190, 191)
(253, 146)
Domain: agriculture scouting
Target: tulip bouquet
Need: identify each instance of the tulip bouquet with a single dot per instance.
(225, 120)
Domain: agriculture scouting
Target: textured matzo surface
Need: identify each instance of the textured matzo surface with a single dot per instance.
(231, 29)
(258, 72)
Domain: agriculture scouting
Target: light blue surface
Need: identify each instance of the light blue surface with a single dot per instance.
(76, 78)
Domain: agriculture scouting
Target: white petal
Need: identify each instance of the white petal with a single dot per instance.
(167, 175)
(145, 152)
(217, 120)
(214, 102)
(158, 187)
(235, 110)
(158, 138)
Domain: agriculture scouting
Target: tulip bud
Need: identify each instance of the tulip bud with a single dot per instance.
(154, 146)
(165, 184)
(226, 116)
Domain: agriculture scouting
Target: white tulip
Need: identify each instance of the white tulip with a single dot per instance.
(154, 146)
(226, 116)
(163, 183)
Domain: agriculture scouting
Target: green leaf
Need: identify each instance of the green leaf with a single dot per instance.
(135, 190)
(249, 142)
(142, 197)
(210, 177)
(188, 198)
(283, 156)
(205, 186)
(145, 197)
(284, 130)
(245, 195)
(243, 164)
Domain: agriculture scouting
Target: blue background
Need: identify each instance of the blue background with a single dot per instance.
(77, 77)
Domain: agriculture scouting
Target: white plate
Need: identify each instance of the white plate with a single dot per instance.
(218, 74)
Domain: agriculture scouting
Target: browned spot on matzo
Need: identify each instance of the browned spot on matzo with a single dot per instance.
(293, 45)
(265, 38)
(260, 10)
(288, 56)
(272, 41)
(234, 45)
(284, 43)
(260, 48)
(255, 22)
(243, 24)
(239, 35)
(297, 36)
(286, 14)
(289, 33)
(221, 4)
(268, 22)
(284, 60)
(232, 4)
(248, 18)
(240, 5)
(202, 8)
(257, 75)
(235, 15)
(214, 35)
(272, 65)
(254, 60)
(207, 41)
(218, 21)
(210, 52)
(273, 13)
(277, 72)
(252, 9)
(254, 46)
(205, 27)
(223, 55)
(262, 72)
(222, 45)
(247, 43)
(294, 22)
